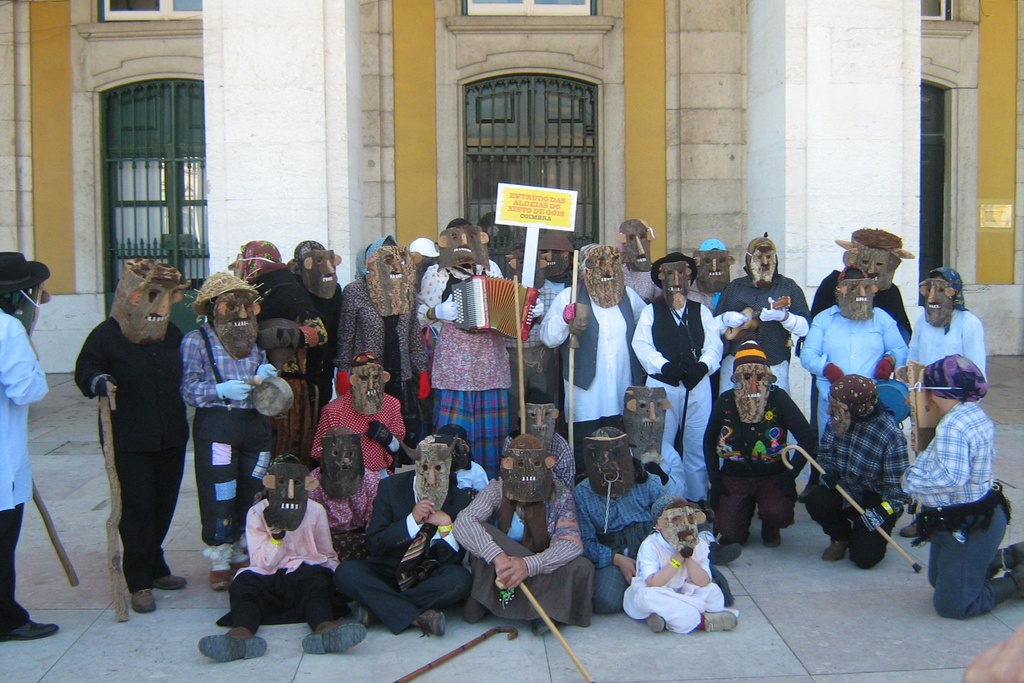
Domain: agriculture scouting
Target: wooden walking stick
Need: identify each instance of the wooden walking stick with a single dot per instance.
(573, 345)
(51, 531)
(551, 625)
(519, 358)
(117, 585)
(850, 500)
(512, 635)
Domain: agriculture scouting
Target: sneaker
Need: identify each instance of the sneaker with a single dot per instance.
(220, 579)
(835, 552)
(771, 537)
(142, 601)
(335, 639)
(432, 622)
(656, 623)
(724, 554)
(170, 583)
(719, 621)
(909, 531)
(30, 630)
(228, 648)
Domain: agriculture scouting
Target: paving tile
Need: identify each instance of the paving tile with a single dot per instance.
(31, 660)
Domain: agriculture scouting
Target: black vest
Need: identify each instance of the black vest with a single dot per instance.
(681, 344)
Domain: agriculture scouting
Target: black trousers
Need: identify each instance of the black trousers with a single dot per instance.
(282, 598)
(867, 548)
(12, 615)
(149, 493)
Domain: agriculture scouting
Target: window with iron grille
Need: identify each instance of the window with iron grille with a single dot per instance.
(531, 130)
(154, 156)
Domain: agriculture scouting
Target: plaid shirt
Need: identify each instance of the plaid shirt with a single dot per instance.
(872, 456)
(629, 508)
(956, 467)
(198, 382)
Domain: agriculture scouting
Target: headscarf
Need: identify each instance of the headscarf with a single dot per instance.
(303, 248)
(257, 257)
(954, 280)
(386, 240)
(857, 393)
(956, 377)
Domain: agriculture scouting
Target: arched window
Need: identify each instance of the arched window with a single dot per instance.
(154, 161)
(532, 130)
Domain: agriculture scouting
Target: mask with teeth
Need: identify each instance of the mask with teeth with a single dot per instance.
(635, 236)
(603, 277)
(678, 524)
(540, 421)
(388, 279)
(433, 467)
(608, 462)
(341, 464)
(368, 387)
(644, 415)
(938, 297)
(234, 319)
(556, 263)
(877, 264)
(515, 264)
(526, 471)
(143, 300)
(753, 382)
(318, 274)
(855, 295)
(675, 282)
(839, 416)
(713, 269)
(287, 484)
(762, 262)
(462, 245)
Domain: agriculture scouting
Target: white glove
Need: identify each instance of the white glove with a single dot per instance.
(733, 319)
(770, 314)
(537, 310)
(446, 310)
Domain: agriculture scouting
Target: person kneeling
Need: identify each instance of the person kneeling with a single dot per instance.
(289, 574)
(672, 588)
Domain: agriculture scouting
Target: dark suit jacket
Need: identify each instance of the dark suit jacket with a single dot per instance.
(387, 536)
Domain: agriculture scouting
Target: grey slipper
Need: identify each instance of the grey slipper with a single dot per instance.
(337, 639)
(227, 649)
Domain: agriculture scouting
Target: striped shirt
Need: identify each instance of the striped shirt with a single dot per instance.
(871, 456)
(198, 381)
(564, 546)
(956, 467)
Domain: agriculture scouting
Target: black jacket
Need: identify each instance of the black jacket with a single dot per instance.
(387, 536)
(150, 414)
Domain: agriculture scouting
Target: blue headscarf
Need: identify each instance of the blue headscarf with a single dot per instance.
(954, 280)
(385, 241)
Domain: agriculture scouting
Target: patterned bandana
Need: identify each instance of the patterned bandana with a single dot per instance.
(857, 393)
(955, 281)
(258, 257)
(956, 377)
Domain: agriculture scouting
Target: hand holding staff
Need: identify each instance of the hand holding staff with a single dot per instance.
(850, 500)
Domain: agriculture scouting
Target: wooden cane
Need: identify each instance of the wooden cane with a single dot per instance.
(51, 531)
(519, 355)
(551, 625)
(512, 635)
(850, 500)
(114, 571)
(573, 343)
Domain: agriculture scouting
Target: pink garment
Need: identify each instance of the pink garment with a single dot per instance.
(309, 544)
(470, 361)
(348, 514)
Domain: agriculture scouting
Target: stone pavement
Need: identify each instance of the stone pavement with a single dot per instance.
(801, 619)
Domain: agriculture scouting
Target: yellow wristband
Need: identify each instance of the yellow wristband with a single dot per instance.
(445, 528)
(888, 508)
(675, 563)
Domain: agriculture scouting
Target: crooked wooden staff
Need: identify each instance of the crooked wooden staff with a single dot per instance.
(117, 585)
(519, 355)
(573, 345)
(850, 500)
(512, 635)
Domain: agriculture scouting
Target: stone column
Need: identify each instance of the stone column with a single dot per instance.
(283, 125)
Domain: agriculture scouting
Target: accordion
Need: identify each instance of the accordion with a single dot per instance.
(489, 303)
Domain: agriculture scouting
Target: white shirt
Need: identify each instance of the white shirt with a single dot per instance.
(966, 336)
(22, 382)
(612, 373)
(474, 478)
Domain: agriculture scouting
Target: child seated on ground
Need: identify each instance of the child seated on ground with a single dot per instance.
(672, 588)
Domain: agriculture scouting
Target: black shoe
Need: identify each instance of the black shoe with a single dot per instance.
(724, 554)
(30, 630)
(337, 639)
(431, 622)
(771, 537)
(225, 648)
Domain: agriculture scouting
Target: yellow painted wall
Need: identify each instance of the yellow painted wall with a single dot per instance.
(644, 67)
(415, 122)
(997, 133)
(53, 214)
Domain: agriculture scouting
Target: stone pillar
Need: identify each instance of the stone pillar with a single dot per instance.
(833, 125)
(283, 125)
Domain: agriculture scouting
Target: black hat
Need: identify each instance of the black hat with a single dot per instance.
(673, 257)
(17, 273)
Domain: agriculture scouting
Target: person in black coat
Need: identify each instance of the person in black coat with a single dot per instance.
(415, 564)
(136, 351)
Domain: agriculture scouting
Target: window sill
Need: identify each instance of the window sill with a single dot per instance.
(148, 28)
(520, 24)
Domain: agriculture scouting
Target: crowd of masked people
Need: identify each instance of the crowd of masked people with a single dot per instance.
(612, 457)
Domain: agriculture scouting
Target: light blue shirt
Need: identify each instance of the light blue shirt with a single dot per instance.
(966, 336)
(855, 346)
(22, 382)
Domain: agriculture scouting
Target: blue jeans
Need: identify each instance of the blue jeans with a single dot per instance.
(959, 571)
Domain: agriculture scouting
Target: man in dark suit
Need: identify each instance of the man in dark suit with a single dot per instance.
(415, 564)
